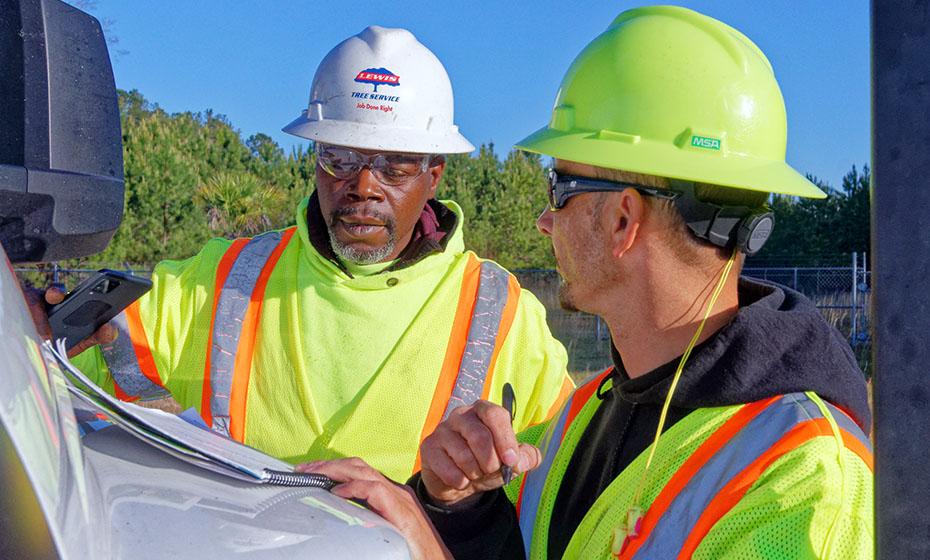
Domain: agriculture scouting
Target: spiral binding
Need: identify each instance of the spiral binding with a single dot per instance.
(313, 480)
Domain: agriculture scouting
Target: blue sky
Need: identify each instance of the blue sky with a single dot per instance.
(253, 61)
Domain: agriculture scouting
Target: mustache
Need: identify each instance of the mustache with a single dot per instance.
(347, 211)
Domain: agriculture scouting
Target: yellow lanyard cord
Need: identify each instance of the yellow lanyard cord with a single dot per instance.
(634, 514)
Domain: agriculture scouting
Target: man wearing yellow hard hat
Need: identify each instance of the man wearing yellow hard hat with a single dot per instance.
(358, 330)
(733, 423)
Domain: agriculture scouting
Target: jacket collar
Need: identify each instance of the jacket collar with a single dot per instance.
(777, 343)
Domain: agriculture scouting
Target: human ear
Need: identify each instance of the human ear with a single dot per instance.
(436, 168)
(626, 211)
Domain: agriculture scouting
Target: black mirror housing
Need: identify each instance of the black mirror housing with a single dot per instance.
(61, 160)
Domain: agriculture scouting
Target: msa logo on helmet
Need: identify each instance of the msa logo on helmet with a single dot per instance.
(705, 142)
(378, 77)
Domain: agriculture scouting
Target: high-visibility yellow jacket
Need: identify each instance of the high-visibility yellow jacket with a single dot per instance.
(276, 346)
(786, 477)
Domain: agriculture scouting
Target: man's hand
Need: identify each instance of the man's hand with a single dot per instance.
(394, 502)
(463, 457)
(38, 302)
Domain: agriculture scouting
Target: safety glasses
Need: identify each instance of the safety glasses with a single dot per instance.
(391, 169)
(562, 187)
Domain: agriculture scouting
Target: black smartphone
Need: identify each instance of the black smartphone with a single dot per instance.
(94, 302)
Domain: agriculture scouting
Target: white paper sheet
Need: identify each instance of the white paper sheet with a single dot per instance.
(173, 434)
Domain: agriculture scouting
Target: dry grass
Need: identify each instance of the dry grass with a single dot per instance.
(837, 310)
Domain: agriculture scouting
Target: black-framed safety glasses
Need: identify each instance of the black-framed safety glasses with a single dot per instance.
(393, 169)
(724, 226)
(562, 187)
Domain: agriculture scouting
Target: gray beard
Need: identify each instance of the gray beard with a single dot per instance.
(360, 256)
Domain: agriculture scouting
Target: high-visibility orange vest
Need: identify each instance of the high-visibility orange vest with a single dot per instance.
(706, 465)
(473, 329)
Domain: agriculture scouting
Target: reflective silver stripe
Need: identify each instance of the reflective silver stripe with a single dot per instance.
(482, 336)
(535, 482)
(124, 365)
(846, 423)
(673, 528)
(531, 493)
(743, 448)
(227, 323)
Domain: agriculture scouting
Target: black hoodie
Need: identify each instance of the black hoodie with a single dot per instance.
(778, 343)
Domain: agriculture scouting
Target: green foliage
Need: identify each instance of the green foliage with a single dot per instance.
(820, 232)
(240, 204)
(501, 202)
(190, 176)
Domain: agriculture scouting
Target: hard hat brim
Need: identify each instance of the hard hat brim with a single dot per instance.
(667, 160)
(373, 137)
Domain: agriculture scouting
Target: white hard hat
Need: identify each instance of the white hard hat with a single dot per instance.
(382, 90)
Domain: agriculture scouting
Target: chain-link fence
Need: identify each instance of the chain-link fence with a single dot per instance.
(841, 293)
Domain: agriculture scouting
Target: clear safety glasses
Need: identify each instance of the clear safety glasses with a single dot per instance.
(562, 187)
(391, 169)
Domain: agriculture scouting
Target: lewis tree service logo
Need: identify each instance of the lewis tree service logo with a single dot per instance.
(378, 77)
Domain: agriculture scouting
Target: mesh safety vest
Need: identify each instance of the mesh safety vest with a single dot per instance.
(786, 477)
(245, 352)
(235, 318)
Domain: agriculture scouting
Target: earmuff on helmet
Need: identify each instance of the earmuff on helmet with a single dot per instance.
(724, 226)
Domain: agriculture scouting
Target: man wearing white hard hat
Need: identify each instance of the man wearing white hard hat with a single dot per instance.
(357, 331)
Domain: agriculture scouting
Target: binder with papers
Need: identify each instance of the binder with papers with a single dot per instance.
(182, 439)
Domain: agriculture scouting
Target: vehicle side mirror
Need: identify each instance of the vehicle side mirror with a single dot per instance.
(61, 160)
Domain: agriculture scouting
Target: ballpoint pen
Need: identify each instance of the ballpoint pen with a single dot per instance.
(508, 401)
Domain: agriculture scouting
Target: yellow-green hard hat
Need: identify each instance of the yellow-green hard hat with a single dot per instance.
(670, 92)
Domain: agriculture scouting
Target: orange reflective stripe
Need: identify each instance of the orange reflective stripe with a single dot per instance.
(520, 495)
(457, 339)
(582, 394)
(222, 271)
(734, 491)
(567, 388)
(140, 345)
(691, 466)
(243, 364)
(856, 446)
(122, 395)
(564, 392)
(534, 485)
(510, 311)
